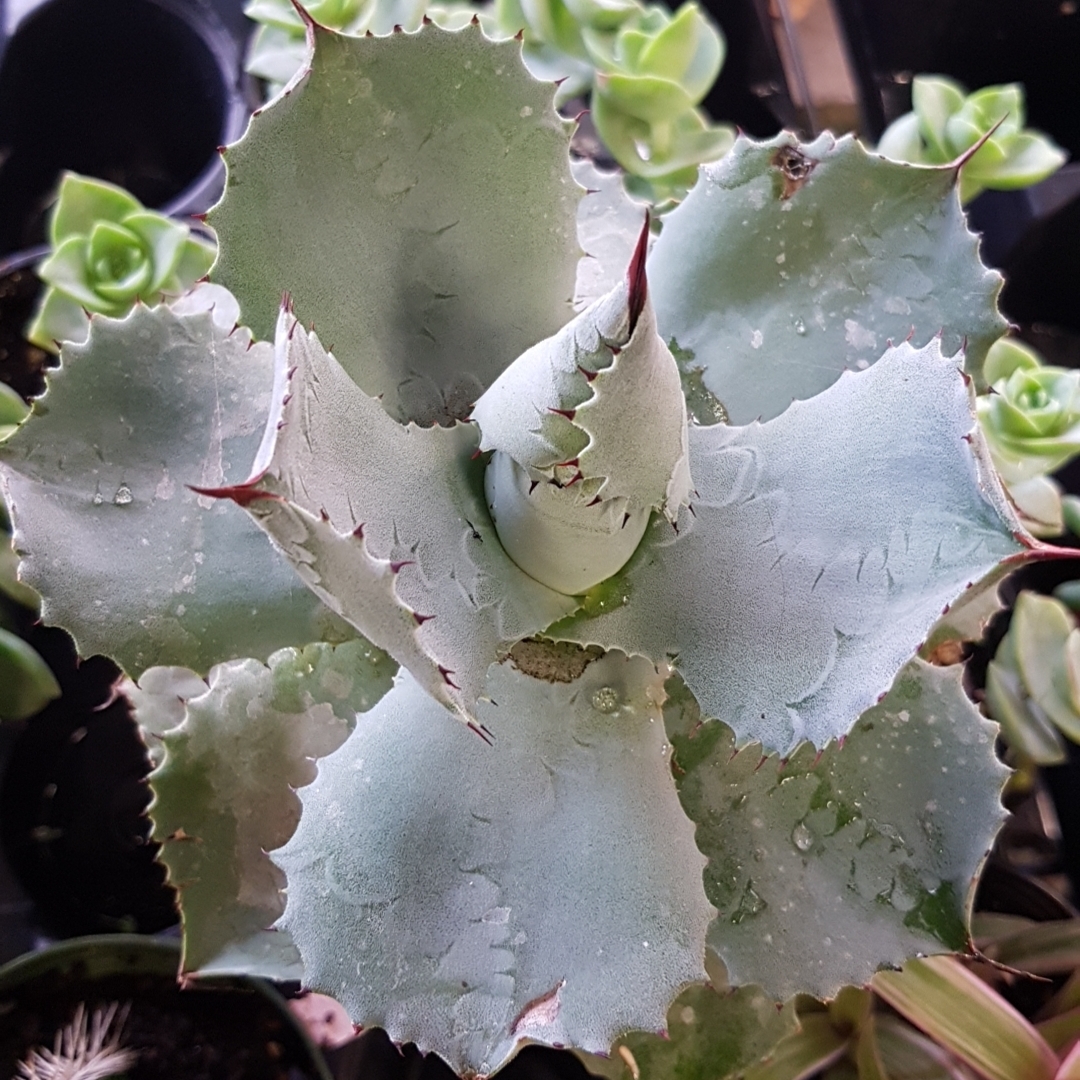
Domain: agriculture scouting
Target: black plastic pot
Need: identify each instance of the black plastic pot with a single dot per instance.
(240, 1028)
(978, 42)
(73, 794)
(137, 92)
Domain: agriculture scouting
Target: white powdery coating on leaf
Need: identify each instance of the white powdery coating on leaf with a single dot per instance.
(464, 896)
(225, 788)
(825, 544)
(424, 213)
(630, 407)
(425, 577)
(130, 560)
(608, 224)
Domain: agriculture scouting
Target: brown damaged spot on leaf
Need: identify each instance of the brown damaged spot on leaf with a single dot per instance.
(795, 167)
(947, 654)
(541, 1012)
(553, 661)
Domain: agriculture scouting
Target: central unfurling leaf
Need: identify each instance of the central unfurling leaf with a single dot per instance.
(589, 433)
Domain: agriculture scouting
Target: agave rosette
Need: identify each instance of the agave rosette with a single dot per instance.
(559, 878)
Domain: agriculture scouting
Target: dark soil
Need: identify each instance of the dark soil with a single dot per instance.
(192, 1034)
(22, 365)
(73, 801)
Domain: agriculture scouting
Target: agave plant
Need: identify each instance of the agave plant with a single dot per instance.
(687, 648)
(646, 69)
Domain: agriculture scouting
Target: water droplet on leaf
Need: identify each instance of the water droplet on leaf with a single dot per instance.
(605, 699)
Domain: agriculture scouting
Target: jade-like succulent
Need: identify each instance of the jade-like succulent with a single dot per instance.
(946, 123)
(714, 741)
(1033, 682)
(108, 252)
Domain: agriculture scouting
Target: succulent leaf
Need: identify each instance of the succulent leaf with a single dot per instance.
(608, 226)
(546, 886)
(650, 75)
(407, 244)
(390, 528)
(946, 122)
(711, 1034)
(825, 868)
(278, 47)
(26, 683)
(109, 253)
(590, 436)
(1033, 682)
(830, 589)
(788, 263)
(126, 557)
(224, 793)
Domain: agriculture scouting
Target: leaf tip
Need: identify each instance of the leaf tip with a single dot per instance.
(636, 280)
(242, 494)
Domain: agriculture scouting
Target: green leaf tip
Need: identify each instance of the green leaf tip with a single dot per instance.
(765, 276)
(232, 752)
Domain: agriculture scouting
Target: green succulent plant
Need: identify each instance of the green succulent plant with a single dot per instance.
(13, 411)
(687, 648)
(651, 74)
(1033, 682)
(946, 124)
(107, 253)
(1031, 420)
(26, 682)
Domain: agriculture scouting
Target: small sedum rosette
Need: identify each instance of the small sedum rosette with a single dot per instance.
(651, 76)
(108, 253)
(1031, 419)
(946, 123)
